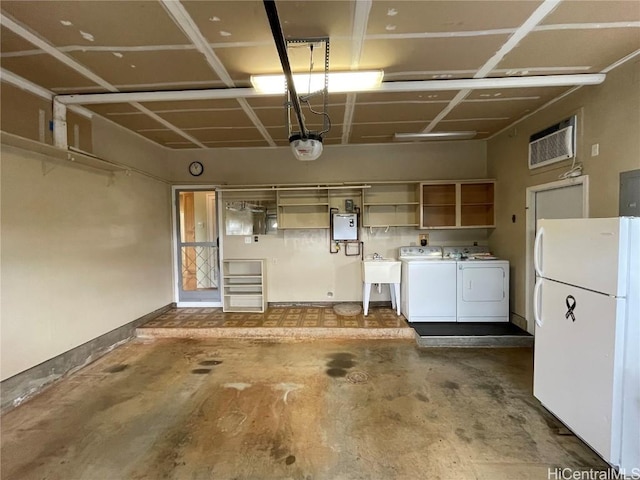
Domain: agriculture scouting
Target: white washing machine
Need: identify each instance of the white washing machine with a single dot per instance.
(428, 285)
(453, 284)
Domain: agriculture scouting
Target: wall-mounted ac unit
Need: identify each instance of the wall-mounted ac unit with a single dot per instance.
(553, 144)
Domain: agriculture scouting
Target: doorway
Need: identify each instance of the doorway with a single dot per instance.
(562, 199)
(197, 252)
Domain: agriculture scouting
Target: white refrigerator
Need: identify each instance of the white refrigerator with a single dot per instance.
(587, 337)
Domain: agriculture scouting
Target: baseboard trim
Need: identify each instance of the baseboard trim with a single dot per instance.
(24, 385)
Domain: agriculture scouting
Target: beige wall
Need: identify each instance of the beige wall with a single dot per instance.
(81, 255)
(299, 265)
(608, 114)
(420, 161)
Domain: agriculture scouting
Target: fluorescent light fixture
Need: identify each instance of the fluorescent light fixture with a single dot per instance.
(305, 83)
(434, 136)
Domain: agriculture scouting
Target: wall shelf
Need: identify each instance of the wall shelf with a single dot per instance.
(391, 205)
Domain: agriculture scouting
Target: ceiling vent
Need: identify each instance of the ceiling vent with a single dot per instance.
(553, 144)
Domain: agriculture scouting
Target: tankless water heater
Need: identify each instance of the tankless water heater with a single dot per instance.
(345, 227)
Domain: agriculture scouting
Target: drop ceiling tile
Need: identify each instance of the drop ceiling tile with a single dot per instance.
(431, 54)
(242, 62)
(148, 67)
(163, 136)
(594, 12)
(276, 116)
(10, 42)
(502, 110)
(487, 126)
(227, 134)
(109, 110)
(396, 113)
(540, 93)
(93, 23)
(401, 17)
(227, 21)
(136, 122)
(568, 47)
(405, 97)
(385, 130)
(278, 101)
(195, 119)
(194, 105)
(237, 144)
(48, 72)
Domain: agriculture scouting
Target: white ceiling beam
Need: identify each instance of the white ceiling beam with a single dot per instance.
(527, 27)
(358, 34)
(386, 87)
(184, 21)
(28, 86)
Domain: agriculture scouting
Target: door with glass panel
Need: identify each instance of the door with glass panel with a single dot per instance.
(197, 256)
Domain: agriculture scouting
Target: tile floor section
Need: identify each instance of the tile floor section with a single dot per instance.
(276, 317)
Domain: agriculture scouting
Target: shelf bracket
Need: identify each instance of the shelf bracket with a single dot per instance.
(47, 168)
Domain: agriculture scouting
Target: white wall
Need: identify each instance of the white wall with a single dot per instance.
(300, 268)
(299, 265)
(80, 255)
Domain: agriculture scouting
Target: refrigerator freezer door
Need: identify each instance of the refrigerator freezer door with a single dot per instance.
(577, 374)
(587, 252)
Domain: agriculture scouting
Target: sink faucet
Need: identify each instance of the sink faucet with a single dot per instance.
(377, 256)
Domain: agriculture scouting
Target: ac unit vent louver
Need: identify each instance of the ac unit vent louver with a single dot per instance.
(553, 144)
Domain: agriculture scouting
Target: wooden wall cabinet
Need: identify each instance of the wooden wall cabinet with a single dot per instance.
(244, 285)
(467, 204)
(391, 205)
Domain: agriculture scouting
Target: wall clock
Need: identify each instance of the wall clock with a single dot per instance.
(196, 169)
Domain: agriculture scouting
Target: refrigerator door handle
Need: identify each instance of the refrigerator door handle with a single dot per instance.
(537, 252)
(536, 302)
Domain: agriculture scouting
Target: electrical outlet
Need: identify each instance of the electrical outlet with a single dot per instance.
(247, 239)
(424, 239)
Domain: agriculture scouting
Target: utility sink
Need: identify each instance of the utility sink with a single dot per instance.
(383, 270)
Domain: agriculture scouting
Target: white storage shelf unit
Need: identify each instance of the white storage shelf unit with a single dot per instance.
(244, 285)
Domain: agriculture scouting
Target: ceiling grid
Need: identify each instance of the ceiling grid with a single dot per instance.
(180, 69)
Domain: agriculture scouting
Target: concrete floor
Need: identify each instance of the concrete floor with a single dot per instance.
(255, 409)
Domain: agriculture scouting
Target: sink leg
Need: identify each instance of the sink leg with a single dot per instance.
(366, 295)
(396, 296)
(393, 296)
